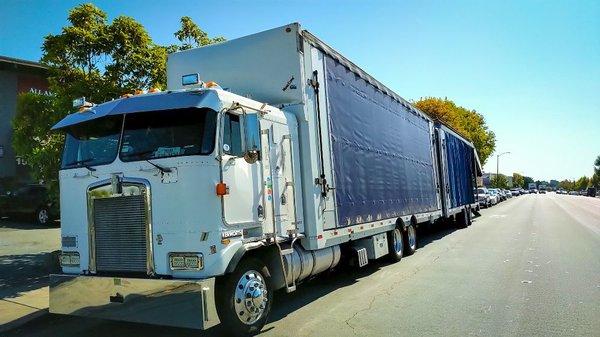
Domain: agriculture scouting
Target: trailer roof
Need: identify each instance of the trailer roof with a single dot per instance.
(325, 48)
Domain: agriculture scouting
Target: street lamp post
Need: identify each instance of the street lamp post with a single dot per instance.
(498, 164)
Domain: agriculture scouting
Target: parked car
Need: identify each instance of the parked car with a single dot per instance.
(494, 196)
(483, 197)
(573, 193)
(29, 200)
(515, 192)
(591, 192)
(542, 191)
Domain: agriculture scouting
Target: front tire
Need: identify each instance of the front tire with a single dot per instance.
(396, 245)
(244, 298)
(410, 240)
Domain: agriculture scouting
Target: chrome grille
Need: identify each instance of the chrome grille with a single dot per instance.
(120, 233)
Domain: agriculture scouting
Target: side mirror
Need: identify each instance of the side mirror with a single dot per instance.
(252, 156)
(251, 138)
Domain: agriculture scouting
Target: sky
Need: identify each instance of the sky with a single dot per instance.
(531, 68)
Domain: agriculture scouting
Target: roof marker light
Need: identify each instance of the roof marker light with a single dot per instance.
(81, 104)
(212, 84)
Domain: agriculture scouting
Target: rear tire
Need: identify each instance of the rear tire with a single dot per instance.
(463, 220)
(244, 298)
(396, 245)
(410, 240)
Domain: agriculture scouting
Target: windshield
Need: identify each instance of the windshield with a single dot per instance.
(168, 133)
(92, 143)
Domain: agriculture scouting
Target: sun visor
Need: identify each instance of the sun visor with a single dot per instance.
(144, 103)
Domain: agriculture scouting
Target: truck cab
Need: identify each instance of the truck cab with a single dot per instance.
(166, 184)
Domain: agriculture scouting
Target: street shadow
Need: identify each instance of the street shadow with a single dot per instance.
(21, 223)
(308, 292)
(20, 273)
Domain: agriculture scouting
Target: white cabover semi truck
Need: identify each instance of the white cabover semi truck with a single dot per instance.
(268, 158)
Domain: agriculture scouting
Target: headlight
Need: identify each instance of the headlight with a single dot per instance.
(185, 261)
(69, 259)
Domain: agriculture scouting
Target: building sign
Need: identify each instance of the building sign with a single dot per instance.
(40, 92)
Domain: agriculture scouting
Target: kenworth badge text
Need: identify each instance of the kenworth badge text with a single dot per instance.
(269, 159)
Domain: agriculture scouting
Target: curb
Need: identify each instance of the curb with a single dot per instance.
(22, 320)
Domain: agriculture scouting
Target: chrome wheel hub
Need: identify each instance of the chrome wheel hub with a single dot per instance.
(250, 299)
(43, 216)
(397, 237)
(412, 237)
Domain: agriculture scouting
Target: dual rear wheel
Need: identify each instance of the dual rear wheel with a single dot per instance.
(402, 242)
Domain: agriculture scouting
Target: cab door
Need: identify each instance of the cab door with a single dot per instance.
(242, 204)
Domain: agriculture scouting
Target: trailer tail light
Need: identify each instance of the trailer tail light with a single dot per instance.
(222, 189)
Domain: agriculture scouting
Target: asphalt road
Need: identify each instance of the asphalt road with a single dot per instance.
(527, 267)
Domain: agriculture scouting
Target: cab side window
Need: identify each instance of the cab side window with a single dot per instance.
(232, 135)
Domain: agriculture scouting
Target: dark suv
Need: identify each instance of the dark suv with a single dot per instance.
(29, 200)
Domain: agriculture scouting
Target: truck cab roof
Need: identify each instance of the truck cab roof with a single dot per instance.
(212, 98)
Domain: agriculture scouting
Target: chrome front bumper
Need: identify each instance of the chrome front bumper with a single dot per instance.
(180, 303)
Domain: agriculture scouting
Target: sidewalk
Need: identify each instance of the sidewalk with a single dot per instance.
(28, 253)
(23, 308)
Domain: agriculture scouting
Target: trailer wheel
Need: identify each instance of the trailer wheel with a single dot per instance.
(396, 245)
(244, 298)
(410, 239)
(463, 220)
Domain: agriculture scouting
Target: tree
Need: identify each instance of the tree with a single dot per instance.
(518, 180)
(469, 123)
(191, 36)
(526, 182)
(499, 181)
(597, 165)
(89, 58)
(582, 183)
(567, 185)
(595, 180)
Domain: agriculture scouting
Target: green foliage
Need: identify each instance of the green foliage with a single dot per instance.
(469, 123)
(582, 183)
(95, 59)
(499, 181)
(191, 36)
(518, 180)
(35, 115)
(526, 182)
(595, 180)
(567, 185)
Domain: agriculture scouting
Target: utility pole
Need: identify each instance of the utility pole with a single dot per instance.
(498, 165)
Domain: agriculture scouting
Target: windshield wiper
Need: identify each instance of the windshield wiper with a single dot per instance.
(161, 168)
(141, 153)
(82, 163)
